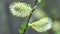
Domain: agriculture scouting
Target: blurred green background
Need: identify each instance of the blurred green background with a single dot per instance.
(10, 24)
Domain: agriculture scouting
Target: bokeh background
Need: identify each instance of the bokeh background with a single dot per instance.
(10, 24)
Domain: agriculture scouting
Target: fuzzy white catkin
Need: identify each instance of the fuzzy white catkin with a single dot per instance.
(20, 9)
(42, 25)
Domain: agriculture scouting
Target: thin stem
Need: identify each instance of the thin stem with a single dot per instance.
(28, 22)
(29, 18)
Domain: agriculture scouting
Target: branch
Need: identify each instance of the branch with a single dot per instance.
(29, 18)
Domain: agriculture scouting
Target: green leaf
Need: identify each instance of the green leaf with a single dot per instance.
(22, 28)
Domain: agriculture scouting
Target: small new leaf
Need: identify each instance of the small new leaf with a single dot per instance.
(22, 28)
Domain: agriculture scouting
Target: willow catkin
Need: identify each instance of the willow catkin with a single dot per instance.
(20, 9)
(42, 25)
